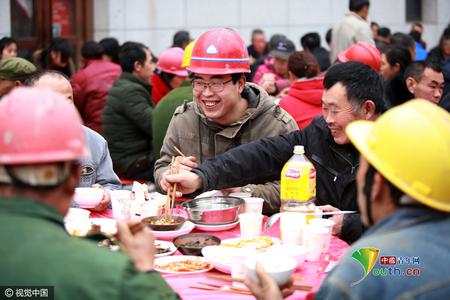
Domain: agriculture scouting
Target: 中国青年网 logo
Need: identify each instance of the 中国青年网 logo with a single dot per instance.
(389, 265)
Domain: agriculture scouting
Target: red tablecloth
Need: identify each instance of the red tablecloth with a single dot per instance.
(309, 272)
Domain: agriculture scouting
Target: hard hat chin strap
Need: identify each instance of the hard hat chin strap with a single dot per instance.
(370, 173)
(42, 175)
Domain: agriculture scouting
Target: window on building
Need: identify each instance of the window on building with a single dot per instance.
(413, 10)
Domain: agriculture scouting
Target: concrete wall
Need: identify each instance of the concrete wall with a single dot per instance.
(154, 22)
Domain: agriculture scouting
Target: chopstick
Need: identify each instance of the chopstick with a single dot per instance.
(169, 189)
(296, 287)
(179, 151)
(241, 292)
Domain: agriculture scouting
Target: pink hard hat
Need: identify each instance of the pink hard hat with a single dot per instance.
(364, 53)
(219, 51)
(171, 60)
(39, 126)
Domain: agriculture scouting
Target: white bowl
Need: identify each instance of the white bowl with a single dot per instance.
(278, 268)
(87, 197)
(297, 252)
(77, 214)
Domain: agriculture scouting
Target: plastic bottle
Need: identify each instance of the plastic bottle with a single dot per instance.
(298, 181)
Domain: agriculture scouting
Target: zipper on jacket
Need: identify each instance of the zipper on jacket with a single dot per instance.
(345, 158)
(320, 162)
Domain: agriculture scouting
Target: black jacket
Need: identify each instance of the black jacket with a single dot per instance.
(263, 160)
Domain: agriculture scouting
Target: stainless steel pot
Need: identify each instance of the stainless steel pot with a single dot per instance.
(213, 210)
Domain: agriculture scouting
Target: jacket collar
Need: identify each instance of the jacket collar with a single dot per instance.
(406, 217)
(31, 208)
(130, 77)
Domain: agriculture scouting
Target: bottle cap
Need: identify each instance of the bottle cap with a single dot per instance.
(298, 149)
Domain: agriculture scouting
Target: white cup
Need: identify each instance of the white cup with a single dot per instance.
(328, 224)
(314, 239)
(253, 205)
(240, 195)
(250, 224)
(238, 258)
(291, 227)
(121, 204)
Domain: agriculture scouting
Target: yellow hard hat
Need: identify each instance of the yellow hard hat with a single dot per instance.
(410, 146)
(187, 54)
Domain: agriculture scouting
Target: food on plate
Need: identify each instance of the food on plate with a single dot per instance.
(160, 249)
(260, 243)
(161, 223)
(187, 265)
(192, 244)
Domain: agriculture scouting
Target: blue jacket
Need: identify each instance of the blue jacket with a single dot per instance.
(411, 232)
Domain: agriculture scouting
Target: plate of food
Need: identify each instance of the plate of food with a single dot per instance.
(181, 264)
(164, 248)
(221, 227)
(168, 235)
(260, 243)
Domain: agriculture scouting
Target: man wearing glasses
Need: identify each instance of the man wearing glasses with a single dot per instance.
(226, 111)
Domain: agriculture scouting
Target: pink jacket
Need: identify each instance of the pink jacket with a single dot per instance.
(304, 100)
(267, 67)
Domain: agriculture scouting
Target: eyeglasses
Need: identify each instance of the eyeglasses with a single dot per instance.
(215, 87)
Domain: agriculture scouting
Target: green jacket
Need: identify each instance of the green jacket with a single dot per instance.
(163, 112)
(127, 121)
(36, 250)
(196, 135)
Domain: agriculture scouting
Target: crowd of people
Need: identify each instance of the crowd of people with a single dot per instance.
(235, 111)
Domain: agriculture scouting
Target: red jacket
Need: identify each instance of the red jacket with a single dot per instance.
(159, 88)
(304, 100)
(90, 90)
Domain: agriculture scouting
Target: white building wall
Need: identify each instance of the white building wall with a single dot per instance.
(153, 22)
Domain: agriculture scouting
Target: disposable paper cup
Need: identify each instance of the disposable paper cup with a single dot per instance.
(328, 224)
(121, 201)
(314, 239)
(250, 224)
(253, 205)
(240, 195)
(238, 269)
(291, 227)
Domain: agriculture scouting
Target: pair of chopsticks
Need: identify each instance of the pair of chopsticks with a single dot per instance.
(174, 168)
(222, 288)
(227, 278)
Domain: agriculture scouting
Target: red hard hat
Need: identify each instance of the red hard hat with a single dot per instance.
(170, 61)
(39, 126)
(363, 52)
(219, 51)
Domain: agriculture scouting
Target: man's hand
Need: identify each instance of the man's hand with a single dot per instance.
(104, 203)
(187, 162)
(187, 182)
(139, 243)
(267, 287)
(338, 219)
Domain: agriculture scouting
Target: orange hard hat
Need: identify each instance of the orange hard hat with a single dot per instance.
(219, 51)
(364, 53)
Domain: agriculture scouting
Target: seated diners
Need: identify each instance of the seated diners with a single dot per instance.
(40, 152)
(352, 91)
(403, 195)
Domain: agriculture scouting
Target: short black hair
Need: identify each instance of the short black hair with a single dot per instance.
(181, 38)
(384, 32)
(257, 31)
(129, 53)
(62, 46)
(416, 69)
(360, 81)
(357, 5)
(398, 55)
(328, 35)
(111, 47)
(403, 40)
(91, 50)
(5, 42)
(310, 41)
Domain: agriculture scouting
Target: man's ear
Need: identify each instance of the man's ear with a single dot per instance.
(17, 83)
(368, 110)
(411, 84)
(137, 66)
(378, 185)
(241, 83)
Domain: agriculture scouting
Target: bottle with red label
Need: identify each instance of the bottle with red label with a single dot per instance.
(298, 181)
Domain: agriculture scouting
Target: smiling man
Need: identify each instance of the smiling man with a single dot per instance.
(352, 91)
(226, 111)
